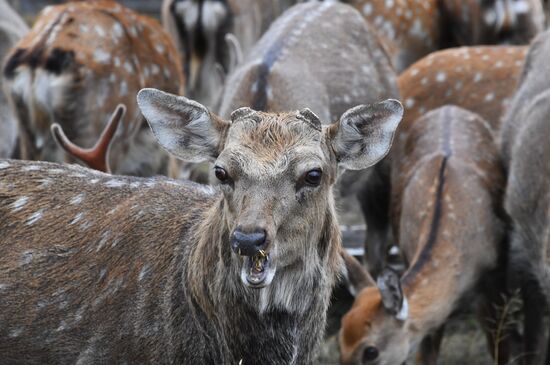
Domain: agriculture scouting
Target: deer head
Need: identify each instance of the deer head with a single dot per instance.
(271, 167)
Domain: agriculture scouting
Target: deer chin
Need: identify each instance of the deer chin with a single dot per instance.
(258, 271)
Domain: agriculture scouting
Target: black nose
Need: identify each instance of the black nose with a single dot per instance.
(249, 242)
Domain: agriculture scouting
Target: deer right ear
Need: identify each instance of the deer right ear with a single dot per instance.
(393, 297)
(183, 127)
(364, 134)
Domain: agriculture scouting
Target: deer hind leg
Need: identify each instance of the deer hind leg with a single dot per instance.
(429, 348)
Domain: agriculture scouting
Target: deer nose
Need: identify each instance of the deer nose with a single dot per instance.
(248, 242)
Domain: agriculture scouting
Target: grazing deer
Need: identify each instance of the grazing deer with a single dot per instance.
(452, 237)
(12, 28)
(200, 29)
(525, 147)
(99, 268)
(77, 63)
(411, 29)
(481, 79)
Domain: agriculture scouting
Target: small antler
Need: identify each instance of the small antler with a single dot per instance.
(96, 157)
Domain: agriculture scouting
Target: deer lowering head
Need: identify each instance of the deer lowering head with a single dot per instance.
(78, 62)
(188, 273)
(452, 236)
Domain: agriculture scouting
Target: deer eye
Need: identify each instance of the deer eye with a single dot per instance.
(370, 354)
(313, 177)
(221, 174)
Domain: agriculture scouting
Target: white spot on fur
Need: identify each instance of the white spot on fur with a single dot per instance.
(99, 30)
(409, 103)
(34, 217)
(155, 69)
(16, 332)
(77, 218)
(477, 77)
(441, 76)
(113, 183)
(123, 88)
(367, 9)
(144, 272)
(100, 56)
(128, 67)
(19, 203)
(26, 257)
(159, 48)
(490, 97)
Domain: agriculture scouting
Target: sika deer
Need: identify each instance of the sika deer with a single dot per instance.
(525, 147)
(452, 237)
(78, 62)
(199, 29)
(106, 269)
(12, 28)
(479, 79)
(295, 65)
(411, 29)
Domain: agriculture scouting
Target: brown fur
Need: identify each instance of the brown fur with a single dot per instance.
(411, 30)
(88, 57)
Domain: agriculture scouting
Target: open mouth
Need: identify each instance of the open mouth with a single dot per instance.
(257, 270)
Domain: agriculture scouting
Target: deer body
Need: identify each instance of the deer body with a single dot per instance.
(450, 234)
(12, 28)
(104, 268)
(200, 27)
(76, 64)
(345, 69)
(411, 30)
(525, 146)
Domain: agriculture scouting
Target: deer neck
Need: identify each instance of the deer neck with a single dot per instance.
(216, 287)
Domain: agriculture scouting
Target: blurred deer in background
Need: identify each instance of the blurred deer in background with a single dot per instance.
(451, 231)
(525, 147)
(99, 268)
(200, 27)
(411, 29)
(77, 63)
(481, 79)
(12, 28)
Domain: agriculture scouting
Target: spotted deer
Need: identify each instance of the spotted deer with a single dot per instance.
(453, 239)
(12, 28)
(481, 79)
(76, 64)
(411, 29)
(105, 269)
(200, 29)
(525, 147)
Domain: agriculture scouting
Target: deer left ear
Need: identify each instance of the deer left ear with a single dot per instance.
(183, 127)
(364, 134)
(393, 297)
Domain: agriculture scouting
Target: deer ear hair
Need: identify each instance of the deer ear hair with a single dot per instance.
(393, 298)
(183, 127)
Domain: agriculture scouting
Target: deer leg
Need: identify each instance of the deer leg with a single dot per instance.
(534, 305)
(374, 198)
(429, 348)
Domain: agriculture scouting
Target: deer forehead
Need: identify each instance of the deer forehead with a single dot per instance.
(273, 142)
(359, 319)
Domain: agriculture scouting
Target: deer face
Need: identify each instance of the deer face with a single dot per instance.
(375, 330)
(275, 171)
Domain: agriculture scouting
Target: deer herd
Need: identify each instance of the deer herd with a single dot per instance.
(433, 116)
